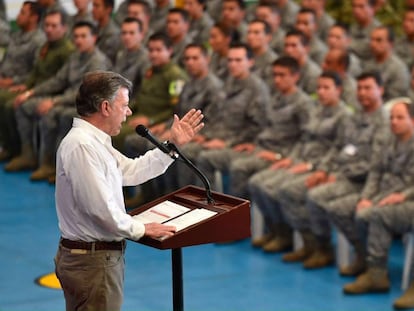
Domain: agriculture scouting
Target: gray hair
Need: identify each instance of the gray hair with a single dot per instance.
(96, 87)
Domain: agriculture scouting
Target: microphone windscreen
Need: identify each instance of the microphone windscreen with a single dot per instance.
(141, 130)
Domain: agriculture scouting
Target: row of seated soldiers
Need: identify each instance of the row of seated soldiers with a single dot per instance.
(24, 73)
(291, 141)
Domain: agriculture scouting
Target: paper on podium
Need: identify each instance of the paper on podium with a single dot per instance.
(190, 218)
(161, 212)
(174, 214)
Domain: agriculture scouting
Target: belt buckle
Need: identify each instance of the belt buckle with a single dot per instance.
(78, 251)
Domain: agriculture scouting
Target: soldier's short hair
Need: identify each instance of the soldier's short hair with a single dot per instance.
(390, 32)
(241, 45)
(109, 3)
(160, 36)
(130, 20)
(143, 3)
(35, 8)
(63, 16)
(308, 11)
(270, 6)
(92, 27)
(240, 3)
(371, 75)
(202, 48)
(266, 27)
(334, 76)
(299, 34)
(287, 62)
(184, 14)
(98, 86)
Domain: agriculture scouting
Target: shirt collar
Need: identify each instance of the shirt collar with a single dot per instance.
(93, 130)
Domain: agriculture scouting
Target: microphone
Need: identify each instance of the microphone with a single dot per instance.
(175, 153)
(145, 132)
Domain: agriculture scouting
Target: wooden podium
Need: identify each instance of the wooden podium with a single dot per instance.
(232, 222)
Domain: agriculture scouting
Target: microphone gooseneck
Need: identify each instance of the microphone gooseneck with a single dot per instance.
(176, 154)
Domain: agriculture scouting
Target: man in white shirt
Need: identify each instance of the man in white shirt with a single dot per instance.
(89, 200)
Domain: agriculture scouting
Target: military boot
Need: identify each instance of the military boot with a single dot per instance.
(25, 161)
(406, 301)
(322, 256)
(5, 155)
(358, 266)
(282, 241)
(372, 281)
(305, 251)
(262, 240)
(46, 169)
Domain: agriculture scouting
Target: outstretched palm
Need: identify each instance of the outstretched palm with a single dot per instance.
(183, 131)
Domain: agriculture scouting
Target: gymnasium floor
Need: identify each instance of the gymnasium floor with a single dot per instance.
(226, 277)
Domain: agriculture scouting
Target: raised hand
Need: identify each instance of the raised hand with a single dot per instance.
(183, 130)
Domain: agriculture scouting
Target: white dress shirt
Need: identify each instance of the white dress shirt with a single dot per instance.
(90, 174)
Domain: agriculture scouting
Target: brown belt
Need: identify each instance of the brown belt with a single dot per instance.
(98, 245)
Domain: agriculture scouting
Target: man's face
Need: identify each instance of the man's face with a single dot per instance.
(369, 93)
(408, 23)
(305, 22)
(176, 25)
(294, 47)
(256, 36)
(337, 38)
(400, 120)
(379, 42)
(331, 61)
(118, 112)
(81, 4)
(264, 13)
(231, 13)
(217, 39)
(328, 92)
(99, 11)
(23, 18)
(53, 27)
(159, 54)
(195, 61)
(361, 10)
(315, 5)
(137, 11)
(284, 80)
(238, 63)
(84, 40)
(131, 35)
(193, 7)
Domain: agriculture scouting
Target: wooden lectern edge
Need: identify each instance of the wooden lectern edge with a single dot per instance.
(232, 221)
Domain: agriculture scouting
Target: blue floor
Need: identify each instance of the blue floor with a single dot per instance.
(227, 277)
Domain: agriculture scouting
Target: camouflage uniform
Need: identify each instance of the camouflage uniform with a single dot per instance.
(286, 117)
(218, 66)
(242, 119)
(394, 74)
(62, 88)
(363, 142)
(156, 99)
(206, 94)
(262, 67)
(318, 146)
(50, 59)
(309, 74)
(132, 65)
(109, 40)
(21, 54)
(199, 31)
(360, 38)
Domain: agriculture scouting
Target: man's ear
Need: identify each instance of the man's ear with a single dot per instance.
(105, 108)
